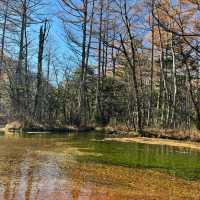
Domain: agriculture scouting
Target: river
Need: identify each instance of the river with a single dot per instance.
(85, 167)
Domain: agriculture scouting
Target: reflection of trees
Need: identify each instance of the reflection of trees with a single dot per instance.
(11, 135)
(75, 192)
(82, 186)
(29, 184)
(19, 178)
(39, 176)
(10, 187)
(75, 183)
(7, 189)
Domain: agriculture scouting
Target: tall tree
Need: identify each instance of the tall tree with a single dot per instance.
(38, 98)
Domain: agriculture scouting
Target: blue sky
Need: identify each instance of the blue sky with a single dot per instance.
(56, 38)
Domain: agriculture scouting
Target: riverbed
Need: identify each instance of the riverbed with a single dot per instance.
(45, 166)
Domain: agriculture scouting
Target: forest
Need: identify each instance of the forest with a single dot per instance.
(89, 63)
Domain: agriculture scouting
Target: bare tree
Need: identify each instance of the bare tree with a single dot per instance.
(38, 98)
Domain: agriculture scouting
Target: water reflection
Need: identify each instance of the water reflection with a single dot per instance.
(41, 178)
(46, 168)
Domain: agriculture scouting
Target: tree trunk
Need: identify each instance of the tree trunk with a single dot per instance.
(174, 84)
(82, 95)
(3, 45)
(19, 70)
(38, 97)
(150, 116)
(98, 103)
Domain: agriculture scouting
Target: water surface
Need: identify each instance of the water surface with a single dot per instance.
(84, 167)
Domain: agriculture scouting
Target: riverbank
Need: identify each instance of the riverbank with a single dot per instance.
(158, 141)
(17, 126)
(170, 137)
(192, 135)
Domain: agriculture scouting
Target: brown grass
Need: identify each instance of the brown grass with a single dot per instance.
(190, 135)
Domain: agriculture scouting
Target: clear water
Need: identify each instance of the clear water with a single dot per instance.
(84, 166)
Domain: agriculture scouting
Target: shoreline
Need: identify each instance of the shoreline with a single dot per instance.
(175, 138)
(157, 141)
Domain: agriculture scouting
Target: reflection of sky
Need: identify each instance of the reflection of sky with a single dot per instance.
(44, 180)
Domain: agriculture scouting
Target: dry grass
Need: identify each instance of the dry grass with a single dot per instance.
(190, 135)
(15, 125)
